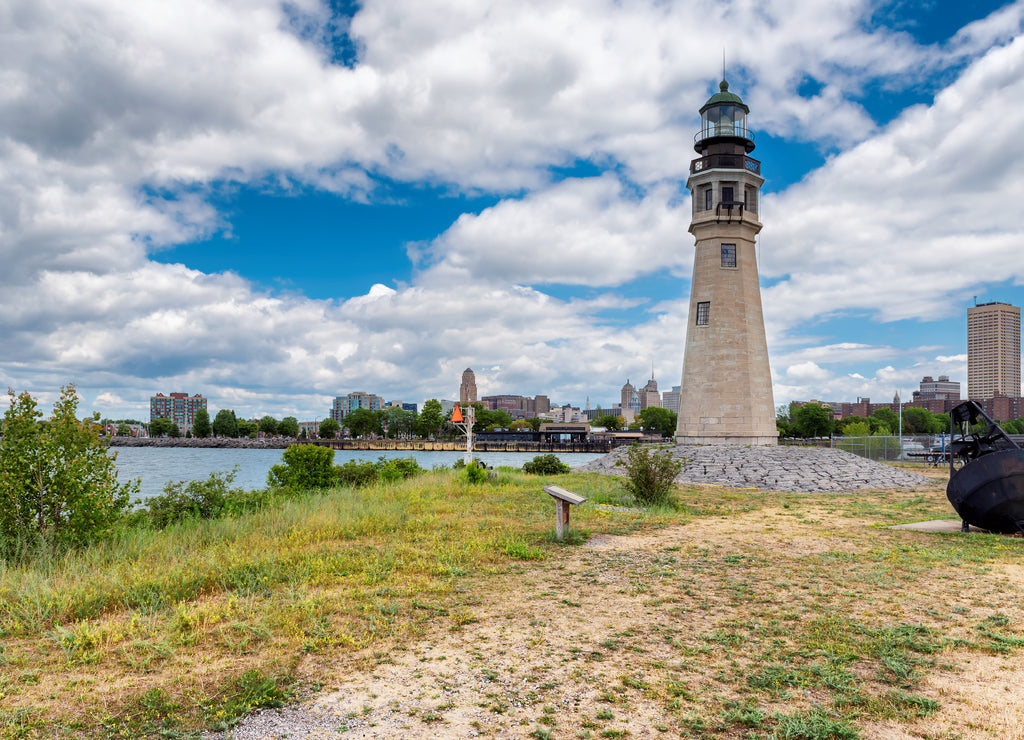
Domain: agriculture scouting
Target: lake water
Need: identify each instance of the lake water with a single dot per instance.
(155, 466)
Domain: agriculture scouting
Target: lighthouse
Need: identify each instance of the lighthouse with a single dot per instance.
(726, 390)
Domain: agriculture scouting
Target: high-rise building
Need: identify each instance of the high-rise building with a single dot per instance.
(467, 391)
(993, 350)
(670, 399)
(649, 396)
(180, 408)
(344, 405)
(726, 395)
(942, 389)
(626, 395)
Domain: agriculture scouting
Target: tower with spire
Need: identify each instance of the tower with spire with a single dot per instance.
(726, 390)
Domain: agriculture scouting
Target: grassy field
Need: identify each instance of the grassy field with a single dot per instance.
(434, 605)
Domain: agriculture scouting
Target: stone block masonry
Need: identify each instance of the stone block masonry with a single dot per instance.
(789, 469)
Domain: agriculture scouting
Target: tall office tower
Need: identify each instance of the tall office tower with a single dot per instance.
(993, 350)
(726, 395)
(467, 391)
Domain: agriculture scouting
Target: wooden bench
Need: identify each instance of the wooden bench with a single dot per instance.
(563, 500)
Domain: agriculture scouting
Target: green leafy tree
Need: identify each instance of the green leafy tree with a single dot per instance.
(660, 420)
(857, 429)
(268, 425)
(399, 422)
(888, 419)
(362, 422)
(431, 419)
(329, 429)
(123, 430)
(160, 427)
(490, 419)
(534, 423)
(225, 424)
(920, 421)
(305, 467)
(57, 482)
(943, 420)
(288, 427)
(608, 421)
(175, 431)
(302, 434)
(813, 420)
(201, 426)
(247, 428)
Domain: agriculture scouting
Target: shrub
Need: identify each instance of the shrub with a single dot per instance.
(476, 473)
(650, 476)
(58, 485)
(546, 465)
(305, 466)
(357, 473)
(197, 499)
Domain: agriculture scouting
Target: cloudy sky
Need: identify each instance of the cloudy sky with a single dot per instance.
(273, 203)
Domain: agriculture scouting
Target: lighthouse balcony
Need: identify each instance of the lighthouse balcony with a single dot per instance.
(725, 162)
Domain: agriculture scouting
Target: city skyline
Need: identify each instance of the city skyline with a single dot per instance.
(378, 196)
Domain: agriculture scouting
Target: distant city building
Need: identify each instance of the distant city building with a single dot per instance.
(649, 396)
(567, 413)
(344, 405)
(626, 396)
(518, 407)
(180, 408)
(467, 391)
(312, 428)
(993, 350)
(941, 389)
(670, 399)
(411, 407)
(447, 406)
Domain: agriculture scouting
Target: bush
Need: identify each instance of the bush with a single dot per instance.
(357, 473)
(650, 476)
(305, 466)
(476, 473)
(58, 485)
(197, 499)
(546, 465)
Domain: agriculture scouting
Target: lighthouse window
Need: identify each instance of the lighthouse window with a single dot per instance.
(703, 309)
(728, 255)
(727, 195)
(707, 199)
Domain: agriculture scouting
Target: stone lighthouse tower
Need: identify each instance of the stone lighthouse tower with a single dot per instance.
(726, 395)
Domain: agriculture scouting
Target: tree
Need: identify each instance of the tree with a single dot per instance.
(268, 425)
(160, 427)
(225, 424)
(659, 419)
(886, 418)
(123, 430)
(431, 419)
(201, 426)
(813, 420)
(608, 421)
(362, 422)
(329, 428)
(248, 429)
(175, 431)
(288, 427)
(57, 481)
(489, 419)
(399, 422)
(857, 429)
(920, 421)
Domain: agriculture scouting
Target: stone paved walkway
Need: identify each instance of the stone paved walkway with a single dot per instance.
(795, 469)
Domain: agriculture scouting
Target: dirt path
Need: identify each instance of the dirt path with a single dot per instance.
(636, 637)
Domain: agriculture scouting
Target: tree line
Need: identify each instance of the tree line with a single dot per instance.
(815, 420)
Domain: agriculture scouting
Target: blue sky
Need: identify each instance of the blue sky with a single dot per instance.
(275, 203)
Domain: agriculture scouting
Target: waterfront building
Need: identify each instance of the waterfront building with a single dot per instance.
(993, 350)
(518, 407)
(180, 408)
(344, 405)
(726, 388)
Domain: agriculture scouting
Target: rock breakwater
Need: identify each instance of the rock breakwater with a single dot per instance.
(790, 469)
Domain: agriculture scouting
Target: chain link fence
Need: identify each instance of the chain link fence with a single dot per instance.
(928, 448)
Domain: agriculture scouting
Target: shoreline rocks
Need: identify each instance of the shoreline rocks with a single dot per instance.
(788, 469)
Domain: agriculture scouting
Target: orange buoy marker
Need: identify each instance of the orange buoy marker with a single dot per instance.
(457, 416)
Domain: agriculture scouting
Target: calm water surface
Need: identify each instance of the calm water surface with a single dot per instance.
(155, 466)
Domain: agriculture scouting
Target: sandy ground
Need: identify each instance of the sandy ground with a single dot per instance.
(583, 645)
